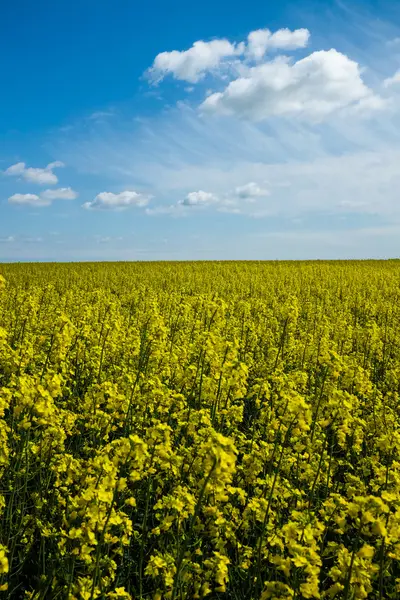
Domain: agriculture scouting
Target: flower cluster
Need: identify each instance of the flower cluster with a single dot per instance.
(219, 430)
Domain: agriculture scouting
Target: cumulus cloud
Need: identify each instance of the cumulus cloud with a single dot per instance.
(43, 199)
(394, 80)
(199, 198)
(59, 194)
(311, 88)
(121, 201)
(191, 65)
(251, 191)
(16, 169)
(35, 175)
(28, 199)
(261, 40)
(226, 202)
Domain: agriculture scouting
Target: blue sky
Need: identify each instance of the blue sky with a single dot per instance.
(211, 131)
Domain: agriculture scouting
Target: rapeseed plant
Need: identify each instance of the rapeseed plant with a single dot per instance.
(204, 430)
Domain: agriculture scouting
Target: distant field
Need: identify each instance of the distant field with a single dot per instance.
(226, 430)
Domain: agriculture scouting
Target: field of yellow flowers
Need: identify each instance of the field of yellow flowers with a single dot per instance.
(187, 430)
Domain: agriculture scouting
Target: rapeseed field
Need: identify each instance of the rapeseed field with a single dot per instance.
(200, 430)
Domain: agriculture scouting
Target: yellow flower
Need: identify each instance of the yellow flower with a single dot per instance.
(3, 560)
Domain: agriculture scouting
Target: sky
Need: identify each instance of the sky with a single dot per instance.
(181, 131)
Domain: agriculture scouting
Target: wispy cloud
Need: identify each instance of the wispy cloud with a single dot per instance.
(305, 167)
(99, 115)
(393, 80)
(394, 43)
(283, 137)
(106, 239)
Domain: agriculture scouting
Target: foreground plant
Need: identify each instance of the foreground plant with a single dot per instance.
(175, 431)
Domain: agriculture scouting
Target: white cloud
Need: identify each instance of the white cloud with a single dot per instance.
(312, 88)
(28, 199)
(55, 164)
(199, 198)
(123, 200)
(289, 40)
(308, 169)
(339, 175)
(251, 191)
(191, 65)
(313, 167)
(367, 106)
(258, 43)
(16, 169)
(223, 203)
(35, 175)
(59, 194)
(261, 40)
(7, 240)
(43, 199)
(395, 79)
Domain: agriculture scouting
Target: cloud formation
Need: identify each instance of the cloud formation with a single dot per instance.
(192, 65)
(35, 175)
(43, 199)
(28, 199)
(227, 202)
(251, 191)
(394, 80)
(199, 198)
(121, 201)
(312, 88)
(59, 194)
(261, 40)
(264, 83)
(293, 142)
